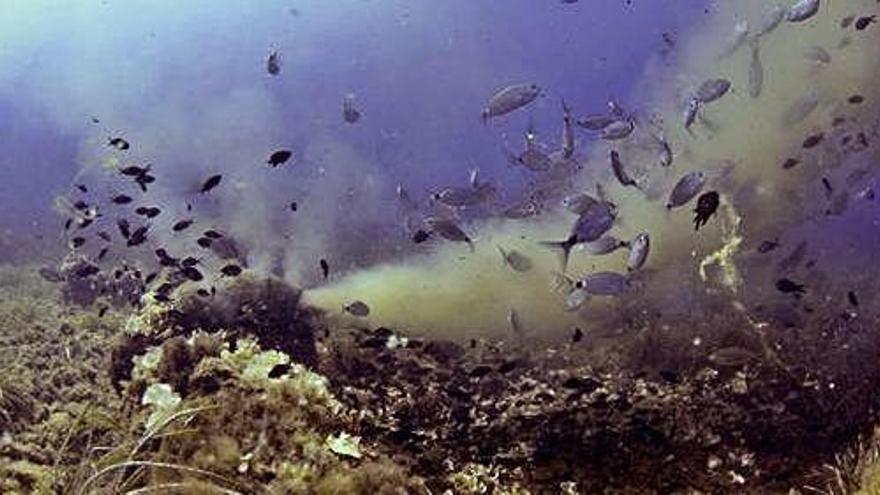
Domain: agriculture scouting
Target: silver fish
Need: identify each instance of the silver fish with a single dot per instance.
(619, 173)
(639, 248)
(509, 99)
(596, 122)
(771, 21)
(605, 245)
(690, 112)
(458, 197)
(603, 284)
(712, 90)
(686, 189)
(578, 203)
(448, 229)
(533, 158)
(590, 226)
(357, 308)
(618, 129)
(801, 108)
(756, 71)
(737, 38)
(817, 55)
(802, 10)
(516, 260)
(567, 131)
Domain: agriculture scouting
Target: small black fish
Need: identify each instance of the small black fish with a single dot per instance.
(707, 205)
(856, 99)
(119, 143)
(102, 254)
(325, 268)
(767, 246)
(577, 336)
(68, 223)
(211, 183)
(231, 270)
(77, 242)
(203, 292)
(293, 206)
(102, 311)
(828, 189)
(134, 170)
(165, 288)
(813, 140)
(122, 199)
(150, 278)
(124, 228)
(204, 242)
(273, 63)
(212, 234)
(85, 222)
(279, 157)
(787, 286)
(189, 207)
(104, 236)
(863, 22)
(182, 225)
(420, 236)
(143, 180)
(148, 211)
(82, 188)
(139, 236)
(192, 273)
(852, 298)
(81, 205)
(189, 261)
(96, 120)
(350, 114)
(790, 163)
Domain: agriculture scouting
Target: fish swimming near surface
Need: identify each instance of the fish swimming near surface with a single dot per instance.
(802, 10)
(756, 71)
(509, 99)
(686, 189)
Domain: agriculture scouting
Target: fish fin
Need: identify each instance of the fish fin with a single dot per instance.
(565, 246)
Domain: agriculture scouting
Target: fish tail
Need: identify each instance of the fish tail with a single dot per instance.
(565, 246)
(470, 244)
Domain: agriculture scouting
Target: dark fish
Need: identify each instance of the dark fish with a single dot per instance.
(349, 113)
(203, 292)
(150, 278)
(577, 336)
(856, 99)
(325, 268)
(273, 63)
(813, 140)
(767, 246)
(212, 182)
(85, 222)
(707, 204)
(863, 22)
(101, 254)
(68, 223)
(143, 180)
(134, 171)
(204, 242)
(124, 227)
(420, 236)
(293, 206)
(182, 225)
(231, 270)
(148, 211)
(81, 205)
(212, 234)
(119, 143)
(51, 275)
(77, 242)
(686, 188)
(165, 259)
(139, 236)
(122, 199)
(828, 189)
(617, 167)
(102, 311)
(189, 261)
(790, 163)
(787, 286)
(82, 188)
(852, 298)
(192, 273)
(279, 157)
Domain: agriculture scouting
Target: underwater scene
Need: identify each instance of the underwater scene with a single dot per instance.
(452, 247)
